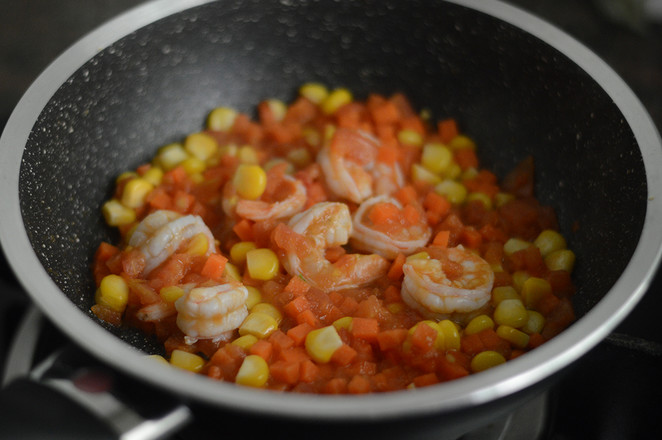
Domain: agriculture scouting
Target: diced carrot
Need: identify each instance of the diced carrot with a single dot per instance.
(297, 306)
(441, 239)
(336, 297)
(178, 177)
(406, 195)
(308, 371)
(214, 266)
(448, 370)
(424, 337)
(343, 355)
(287, 372)
(182, 201)
(294, 354)
(388, 153)
(215, 372)
(298, 333)
(395, 271)
(348, 306)
(262, 348)
(425, 380)
(384, 113)
(107, 314)
(536, 340)
(365, 328)
(358, 385)
(280, 341)
(158, 198)
(547, 303)
(307, 316)
(244, 230)
(334, 253)
(391, 339)
(447, 129)
(437, 204)
(383, 213)
(411, 215)
(472, 344)
(466, 158)
(392, 294)
(337, 385)
(471, 238)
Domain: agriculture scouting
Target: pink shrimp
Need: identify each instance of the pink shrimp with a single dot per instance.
(306, 239)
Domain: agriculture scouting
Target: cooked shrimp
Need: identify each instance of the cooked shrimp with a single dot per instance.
(211, 312)
(283, 197)
(161, 233)
(351, 168)
(306, 239)
(452, 280)
(398, 235)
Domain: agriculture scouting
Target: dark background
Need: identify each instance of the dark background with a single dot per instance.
(615, 392)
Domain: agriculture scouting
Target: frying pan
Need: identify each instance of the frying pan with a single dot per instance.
(514, 83)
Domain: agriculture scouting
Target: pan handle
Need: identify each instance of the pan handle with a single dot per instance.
(71, 395)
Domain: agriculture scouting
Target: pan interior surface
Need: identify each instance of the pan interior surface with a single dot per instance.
(513, 93)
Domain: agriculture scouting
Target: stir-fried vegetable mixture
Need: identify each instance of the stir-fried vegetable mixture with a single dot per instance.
(333, 246)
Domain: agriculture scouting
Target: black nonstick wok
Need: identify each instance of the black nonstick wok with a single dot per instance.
(515, 84)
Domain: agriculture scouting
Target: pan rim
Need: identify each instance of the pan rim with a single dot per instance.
(488, 386)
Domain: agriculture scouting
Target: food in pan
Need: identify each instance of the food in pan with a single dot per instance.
(333, 246)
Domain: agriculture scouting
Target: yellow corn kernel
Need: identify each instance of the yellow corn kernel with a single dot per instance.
(321, 343)
(254, 372)
(186, 361)
(312, 136)
(461, 141)
(517, 338)
(247, 154)
(481, 197)
(395, 308)
(511, 312)
(254, 297)
(259, 325)
(519, 277)
(113, 292)
(469, 173)
(245, 341)
(158, 358)
(250, 181)
(299, 157)
(117, 214)
(329, 131)
(232, 271)
(221, 119)
(262, 264)
(533, 289)
(562, 259)
(451, 334)
(171, 293)
(453, 172)
(504, 292)
(421, 174)
(486, 359)
(455, 192)
(228, 150)
(410, 137)
(239, 250)
(170, 156)
(336, 99)
(135, 191)
(194, 166)
(502, 198)
(549, 241)
(478, 324)
(200, 145)
(534, 323)
(153, 175)
(268, 309)
(278, 109)
(126, 175)
(436, 157)
(344, 322)
(515, 244)
(314, 92)
(198, 245)
(419, 256)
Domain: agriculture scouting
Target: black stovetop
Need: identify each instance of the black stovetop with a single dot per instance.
(615, 391)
